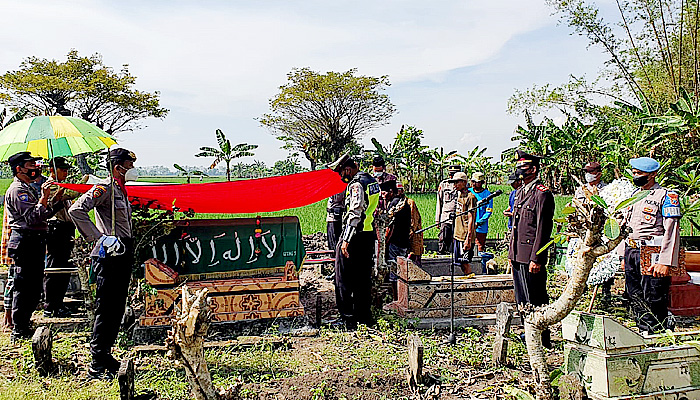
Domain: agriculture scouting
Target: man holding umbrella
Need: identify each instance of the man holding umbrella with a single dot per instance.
(59, 243)
(112, 255)
(27, 214)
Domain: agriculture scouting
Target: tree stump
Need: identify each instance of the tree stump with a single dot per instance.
(126, 380)
(186, 342)
(500, 342)
(42, 342)
(415, 361)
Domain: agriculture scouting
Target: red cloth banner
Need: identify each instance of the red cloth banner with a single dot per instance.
(246, 196)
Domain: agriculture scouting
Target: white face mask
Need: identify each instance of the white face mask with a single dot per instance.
(131, 175)
(590, 177)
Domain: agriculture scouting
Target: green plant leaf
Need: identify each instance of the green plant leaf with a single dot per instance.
(612, 228)
(599, 201)
(555, 375)
(545, 247)
(518, 394)
(568, 210)
(561, 220)
(628, 202)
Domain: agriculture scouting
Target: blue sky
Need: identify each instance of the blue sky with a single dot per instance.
(452, 64)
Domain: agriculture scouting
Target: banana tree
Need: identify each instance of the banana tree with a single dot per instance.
(226, 152)
(189, 172)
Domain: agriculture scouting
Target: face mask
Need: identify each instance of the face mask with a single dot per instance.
(640, 180)
(378, 174)
(131, 175)
(33, 173)
(590, 177)
(522, 173)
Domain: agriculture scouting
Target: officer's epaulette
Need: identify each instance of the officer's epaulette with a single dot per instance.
(542, 188)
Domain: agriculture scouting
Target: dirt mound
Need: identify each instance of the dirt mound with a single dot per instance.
(358, 384)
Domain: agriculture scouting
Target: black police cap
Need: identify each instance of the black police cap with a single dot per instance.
(120, 154)
(526, 159)
(60, 163)
(378, 161)
(21, 158)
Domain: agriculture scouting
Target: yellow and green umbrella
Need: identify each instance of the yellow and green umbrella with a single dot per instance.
(53, 136)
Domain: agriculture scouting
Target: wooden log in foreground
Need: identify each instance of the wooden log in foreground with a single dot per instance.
(126, 380)
(42, 343)
(500, 342)
(415, 361)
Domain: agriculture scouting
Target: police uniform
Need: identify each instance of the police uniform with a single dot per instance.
(445, 206)
(334, 218)
(59, 246)
(112, 272)
(533, 211)
(26, 246)
(655, 220)
(353, 275)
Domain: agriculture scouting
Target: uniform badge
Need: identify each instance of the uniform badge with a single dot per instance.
(671, 207)
(648, 210)
(647, 217)
(98, 191)
(24, 196)
(672, 198)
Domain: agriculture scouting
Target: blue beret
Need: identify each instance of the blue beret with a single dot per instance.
(645, 164)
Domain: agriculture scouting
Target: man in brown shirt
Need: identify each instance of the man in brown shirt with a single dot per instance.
(465, 225)
(655, 221)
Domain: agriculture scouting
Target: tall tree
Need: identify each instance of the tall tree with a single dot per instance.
(322, 115)
(226, 152)
(83, 87)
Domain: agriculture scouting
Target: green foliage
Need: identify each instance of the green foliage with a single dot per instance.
(226, 152)
(189, 172)
(612, 228)
(80, 86)
(518, 394)
(323, 115)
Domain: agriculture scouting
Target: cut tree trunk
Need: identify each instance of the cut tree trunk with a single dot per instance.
(592, 221)
(186, 342)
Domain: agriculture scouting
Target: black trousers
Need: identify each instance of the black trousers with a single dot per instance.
(529, 288)
(333, 231)
(59, 246)
(353, 278)
(113, 275)
(648, 296)
(445, 238)
(28, 250)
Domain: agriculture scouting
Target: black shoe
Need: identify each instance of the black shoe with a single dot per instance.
(18, 335)
(62, 312)
(101, 374)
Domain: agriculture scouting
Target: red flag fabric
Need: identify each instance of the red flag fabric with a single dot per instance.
(246, 196)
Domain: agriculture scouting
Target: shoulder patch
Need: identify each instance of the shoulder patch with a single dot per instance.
(671, 206)
(23, 196)
(98, 191)
(542, 188)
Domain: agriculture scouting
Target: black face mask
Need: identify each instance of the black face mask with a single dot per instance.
(522, 173)
(33, 173)
(640, 180)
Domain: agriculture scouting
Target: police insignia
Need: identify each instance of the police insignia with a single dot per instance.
(647, 217)
(648, 210)
(671, 207)
(23, 196)
(98, 191)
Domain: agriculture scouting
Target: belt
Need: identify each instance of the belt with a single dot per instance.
(633, 244)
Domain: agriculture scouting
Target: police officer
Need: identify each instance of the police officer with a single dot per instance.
(334, 218)
(59, 243)
(112, 256)
(533, 211)
(356, 246)
(27, 214)
(655, 220)
(446, 203)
